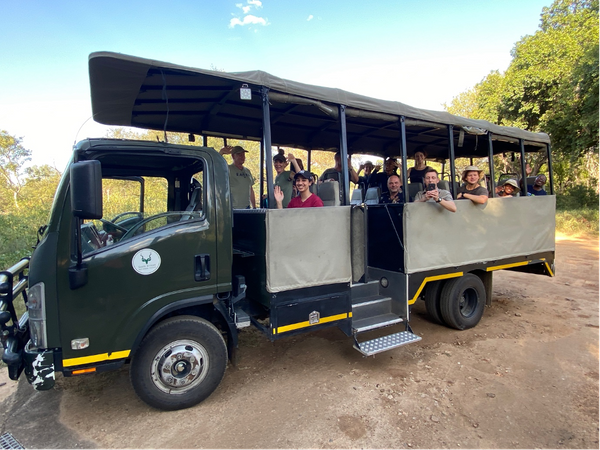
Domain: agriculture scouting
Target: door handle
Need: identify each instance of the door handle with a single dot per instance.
(202, 267)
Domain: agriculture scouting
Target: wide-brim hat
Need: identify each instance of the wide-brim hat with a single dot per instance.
(238, 149)
(472, 169)
(304, 174)
(513, 183)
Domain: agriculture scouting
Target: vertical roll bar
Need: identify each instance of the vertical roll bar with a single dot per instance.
(451, 151)
(344, 156)
(523, 173)
(550, 171)
(267, 146)
(404, 154)
(492, 194)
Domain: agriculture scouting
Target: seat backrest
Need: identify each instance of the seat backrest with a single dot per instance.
(329, 192)
(357, 197)
(195, 203)
(413, 188)
(443, 184)
(372, 196)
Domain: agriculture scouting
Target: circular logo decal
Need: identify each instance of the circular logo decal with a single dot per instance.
(146, 261)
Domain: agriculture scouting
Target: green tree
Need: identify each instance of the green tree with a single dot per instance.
(12, 158)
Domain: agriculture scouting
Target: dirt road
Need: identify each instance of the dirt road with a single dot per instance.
(525, 377)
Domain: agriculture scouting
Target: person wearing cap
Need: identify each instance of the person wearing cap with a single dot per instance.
(509, 188)
(394, 193)
(305, 198)
(240, 178)
(471, 190)
(538, 186)
(433, 194)
(285, 178)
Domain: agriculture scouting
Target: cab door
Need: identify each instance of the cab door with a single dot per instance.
(140, 264)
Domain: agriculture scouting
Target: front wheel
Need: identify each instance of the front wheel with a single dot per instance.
(179, 363)
(462, 301)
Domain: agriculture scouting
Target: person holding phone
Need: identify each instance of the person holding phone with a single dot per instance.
(433, 194)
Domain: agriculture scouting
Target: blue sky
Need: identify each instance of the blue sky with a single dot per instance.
(422, 53)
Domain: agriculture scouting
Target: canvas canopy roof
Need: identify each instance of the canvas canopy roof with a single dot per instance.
(138, 92)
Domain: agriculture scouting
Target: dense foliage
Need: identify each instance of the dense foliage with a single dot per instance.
(551, 86)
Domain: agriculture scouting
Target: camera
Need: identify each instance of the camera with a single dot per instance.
(431, 187)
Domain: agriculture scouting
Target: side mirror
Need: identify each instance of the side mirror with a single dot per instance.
(86, 189)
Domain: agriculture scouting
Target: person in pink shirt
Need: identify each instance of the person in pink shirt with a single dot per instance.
(305, 198)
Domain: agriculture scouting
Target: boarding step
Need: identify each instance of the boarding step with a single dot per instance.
(360, 290)
(241, 318)
(374, 322)
(374, 305)
(384, 343)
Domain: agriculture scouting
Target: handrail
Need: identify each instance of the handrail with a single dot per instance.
(9, 291)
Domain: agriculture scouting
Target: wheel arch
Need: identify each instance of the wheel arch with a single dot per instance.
(204, 307)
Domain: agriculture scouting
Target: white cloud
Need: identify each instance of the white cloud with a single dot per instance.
(248, 20)
(311, 17)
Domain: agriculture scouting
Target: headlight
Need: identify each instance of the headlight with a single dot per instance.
(36, 303)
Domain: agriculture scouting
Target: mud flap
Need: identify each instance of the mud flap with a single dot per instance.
(39, 368)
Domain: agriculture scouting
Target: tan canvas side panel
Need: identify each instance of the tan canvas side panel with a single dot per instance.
(505, 227)
(307, 247)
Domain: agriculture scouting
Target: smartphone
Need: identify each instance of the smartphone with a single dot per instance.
(431, 187)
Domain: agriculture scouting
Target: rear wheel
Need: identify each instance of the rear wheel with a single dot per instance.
(462, 301)
(179, 363)
(432, 301)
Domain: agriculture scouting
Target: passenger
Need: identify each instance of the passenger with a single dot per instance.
(240, 178)
(380, 179)
(305, 198)
(285, 178)
(471, 188)
(416, 173)
(335, 173)
(538, 186)
(509, 188)
(369, 169)
(433, 194)
(394, 193)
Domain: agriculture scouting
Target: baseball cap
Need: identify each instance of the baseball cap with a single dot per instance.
(304, 174)
(237, 149)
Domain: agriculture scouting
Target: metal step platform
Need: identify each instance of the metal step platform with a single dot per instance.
(242, 319)
(384, 343)
(374, 322)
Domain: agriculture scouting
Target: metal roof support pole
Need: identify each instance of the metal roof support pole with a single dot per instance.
(523, 172)
(261, 169)
(491, 165)
(344, 156)
(404, 154)
(266, 141)
(451, 152)
(550, 171)
(309, 161)
(204, 140)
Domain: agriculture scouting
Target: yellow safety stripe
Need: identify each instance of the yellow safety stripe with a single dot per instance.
(433, 278)
(95, 358)
(507, 266)
(549, 269)
(296, 326)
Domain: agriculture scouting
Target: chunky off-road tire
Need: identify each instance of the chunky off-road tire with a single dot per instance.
(432, 300)
(179, 363)
(462, 301)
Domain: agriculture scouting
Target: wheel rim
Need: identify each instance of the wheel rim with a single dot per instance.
(179, 366)
(468, 302)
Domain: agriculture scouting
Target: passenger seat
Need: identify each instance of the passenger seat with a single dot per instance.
(329, 192)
